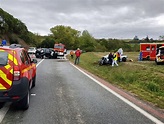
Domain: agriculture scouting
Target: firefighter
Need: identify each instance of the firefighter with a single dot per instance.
(71, 54)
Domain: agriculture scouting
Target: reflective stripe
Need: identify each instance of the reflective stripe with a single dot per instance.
(11, 57)
(4, 77)
(7, 71)
(26, 69)
(2, 87)
(7, 67)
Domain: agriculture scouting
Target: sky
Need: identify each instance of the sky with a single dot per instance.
(120, 19)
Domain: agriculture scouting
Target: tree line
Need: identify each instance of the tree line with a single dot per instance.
(72, 38)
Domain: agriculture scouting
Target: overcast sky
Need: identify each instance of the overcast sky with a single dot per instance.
(101, 18)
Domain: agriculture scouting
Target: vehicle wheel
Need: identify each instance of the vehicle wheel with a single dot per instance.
(123, 59)
(34, 81)
(1, 104)
(157, 62)
(24, 103)
(105, 61)
(101, 62)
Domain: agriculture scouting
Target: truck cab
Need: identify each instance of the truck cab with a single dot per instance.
(60, 49)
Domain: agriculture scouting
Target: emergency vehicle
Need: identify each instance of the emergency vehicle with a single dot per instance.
(60, 49)
(148, 50)
(160, 55)
(17, 76)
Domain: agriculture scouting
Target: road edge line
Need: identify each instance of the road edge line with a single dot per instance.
(146, 114)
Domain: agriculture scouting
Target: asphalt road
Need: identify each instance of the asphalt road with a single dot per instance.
(64, 95)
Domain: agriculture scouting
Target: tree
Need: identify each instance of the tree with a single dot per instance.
(135, 38)
(65, 35)
(161, 37)
(87, 42)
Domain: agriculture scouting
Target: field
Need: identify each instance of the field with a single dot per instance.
(144, 79)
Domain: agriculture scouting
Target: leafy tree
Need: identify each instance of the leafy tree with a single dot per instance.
(48, 43)
(135, 38)
(87, 42)
(65, 35)
(161, 37)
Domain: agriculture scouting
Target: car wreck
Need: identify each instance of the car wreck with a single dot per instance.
(104, 60)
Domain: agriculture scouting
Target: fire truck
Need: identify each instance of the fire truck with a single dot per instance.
(148, 50)
(60, 49)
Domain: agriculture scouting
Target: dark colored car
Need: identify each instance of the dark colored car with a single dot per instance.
(46, 53)
(39, 53)
(17, 76)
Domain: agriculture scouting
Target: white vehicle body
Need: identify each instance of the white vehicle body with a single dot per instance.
(32, 50)
(160, 56)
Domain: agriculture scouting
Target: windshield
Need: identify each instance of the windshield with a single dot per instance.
(58, 47)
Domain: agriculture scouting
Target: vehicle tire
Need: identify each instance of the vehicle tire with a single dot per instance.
(101, 62)
(157, 62)
(33, 81)
(1, 104)
(148, 57)
(24, 103)
(105, 61)
(123, 59)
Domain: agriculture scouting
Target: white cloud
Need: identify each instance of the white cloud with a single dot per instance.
(102, 18)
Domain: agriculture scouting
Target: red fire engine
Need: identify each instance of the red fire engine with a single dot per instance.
(149, 50)
(60, 49)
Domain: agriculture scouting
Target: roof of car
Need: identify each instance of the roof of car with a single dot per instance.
(12, 46)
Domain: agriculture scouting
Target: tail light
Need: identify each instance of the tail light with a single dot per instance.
(17, 73)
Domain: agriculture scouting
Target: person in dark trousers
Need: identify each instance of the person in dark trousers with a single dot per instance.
(71, 53)
(77, 53)
(110, 57)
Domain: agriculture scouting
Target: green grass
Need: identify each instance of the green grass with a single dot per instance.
(145, 79)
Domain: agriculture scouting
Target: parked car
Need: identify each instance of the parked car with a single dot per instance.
(32, 50)
(17, 76)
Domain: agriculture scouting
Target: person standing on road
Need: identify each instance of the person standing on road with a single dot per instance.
(77, 53)
(115, 59)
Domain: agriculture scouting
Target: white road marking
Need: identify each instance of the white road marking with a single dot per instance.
(5, 108)
(146, 114)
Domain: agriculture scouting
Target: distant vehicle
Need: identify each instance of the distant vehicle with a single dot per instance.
(104, 60)
(46, 53)
(160, 55)
(148, 50)
(39, 53)
(32, 50)
(17, 76)
(60, 49)
(50, 53)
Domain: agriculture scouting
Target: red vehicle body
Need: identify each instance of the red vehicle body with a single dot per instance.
(60, 49)
(17, 76)
(149, 50)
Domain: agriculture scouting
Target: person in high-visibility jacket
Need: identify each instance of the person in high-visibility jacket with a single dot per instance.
(115, 57)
